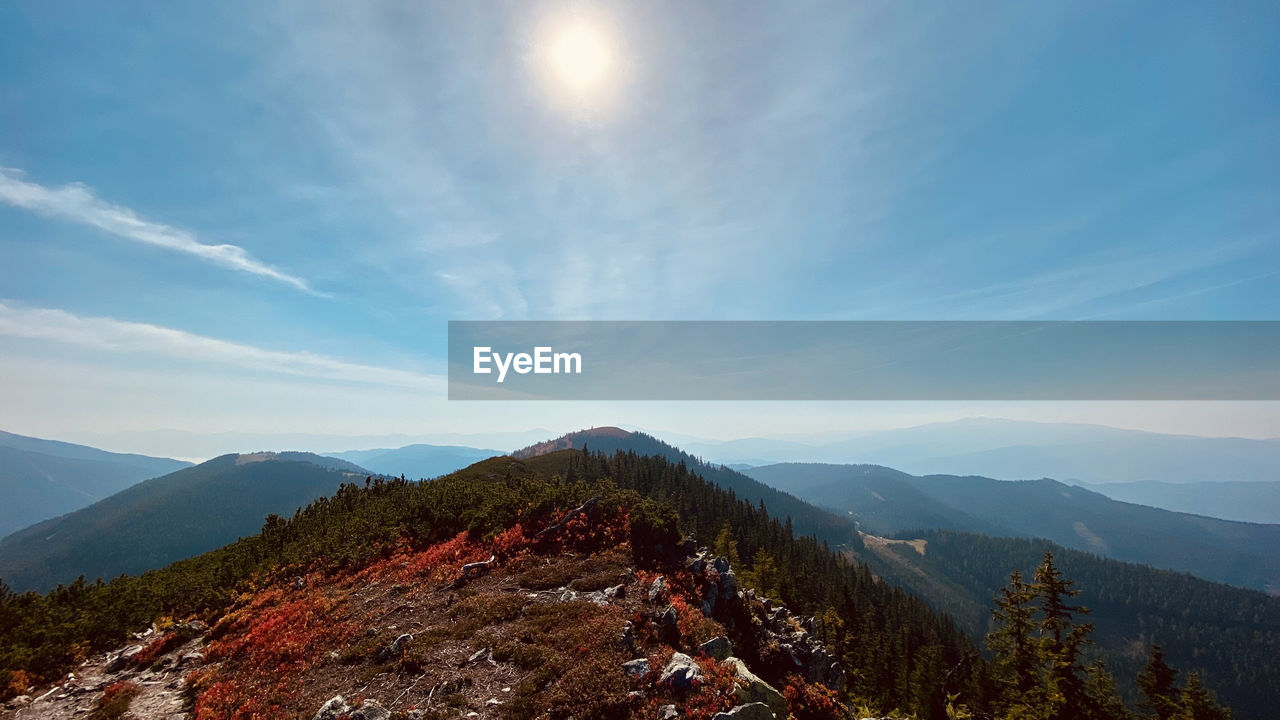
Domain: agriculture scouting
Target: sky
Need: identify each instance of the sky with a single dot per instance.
(256, 216)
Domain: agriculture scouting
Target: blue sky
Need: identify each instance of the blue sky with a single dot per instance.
(247, 214)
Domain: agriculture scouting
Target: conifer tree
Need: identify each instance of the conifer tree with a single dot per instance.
(1013, 640)
(1062, 639)
(1197, 703)
(1157, 684)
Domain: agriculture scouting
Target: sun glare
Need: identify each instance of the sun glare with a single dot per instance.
(580, 57)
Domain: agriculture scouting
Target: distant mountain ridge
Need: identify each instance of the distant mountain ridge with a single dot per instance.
(1254, 502)
(1020, 450)
(41, 479)
(169, 518)
(888, 502)
(417, 461)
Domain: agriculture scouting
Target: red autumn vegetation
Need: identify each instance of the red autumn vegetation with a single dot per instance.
(157, 647)
(811, 702)
(115, 701)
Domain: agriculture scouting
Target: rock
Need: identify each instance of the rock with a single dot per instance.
(721, 564)
(637, 668)
(480, 656)
(371, 710)
(718, 647)
(476, 569)
(688, 546)
(657, 589)
(618, 591)
(729, 581)
(598, 598)
(628, 638)
(750, 711)
(396, 648)
(669, 627)
(668, 712)
(121, 661)
(336, 706)
(681, 673)
(20, 701)
(836, 678)
(751, 689)
(790, 651)
(568, 596)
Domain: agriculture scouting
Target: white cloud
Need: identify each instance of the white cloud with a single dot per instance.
(77, 203)
(131, 337)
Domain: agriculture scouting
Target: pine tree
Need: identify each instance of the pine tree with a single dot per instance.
(1061, 638)
(726, 545)
(1197, 703)
(1101, 700)
(1157, 684)
(1013, 642)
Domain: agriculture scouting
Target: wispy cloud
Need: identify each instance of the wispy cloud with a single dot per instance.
(109, 334)
(77, 203)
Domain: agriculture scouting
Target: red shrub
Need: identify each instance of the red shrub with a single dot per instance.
(811, 702)
(154, 649)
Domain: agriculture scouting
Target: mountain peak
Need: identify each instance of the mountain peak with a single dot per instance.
(573, 440)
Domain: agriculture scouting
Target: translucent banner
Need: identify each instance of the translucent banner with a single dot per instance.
(864, 360)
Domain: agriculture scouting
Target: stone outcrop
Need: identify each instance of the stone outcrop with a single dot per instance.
(752, 711)
(752, 689)
(681, 673)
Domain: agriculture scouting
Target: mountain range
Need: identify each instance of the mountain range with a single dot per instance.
(168, 518)
(1019, 450)
(945, 551)
(417, 461)
(40, 479)
(888, 502)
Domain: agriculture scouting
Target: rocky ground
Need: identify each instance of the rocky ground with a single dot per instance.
(449, 633)
(157, 684)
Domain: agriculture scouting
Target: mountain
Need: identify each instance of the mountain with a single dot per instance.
(168, 518)
(557, 586)
(888, 502)
(1017, 450)
(1255, 502)
(435, 595)
(806, 518)
(417, 461)
(40, 479)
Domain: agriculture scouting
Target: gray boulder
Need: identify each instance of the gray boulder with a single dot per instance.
(669, 627)
(396, 648)
(336, 706)
(121, 661)
(371, 710)
(750, 711)
(718, 647)
(637, 668)
(751, 689)
(682, 673)
(657, 589)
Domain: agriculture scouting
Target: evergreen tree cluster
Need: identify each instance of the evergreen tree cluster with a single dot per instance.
(1040, 669)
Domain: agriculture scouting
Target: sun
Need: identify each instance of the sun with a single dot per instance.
(580, 57)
